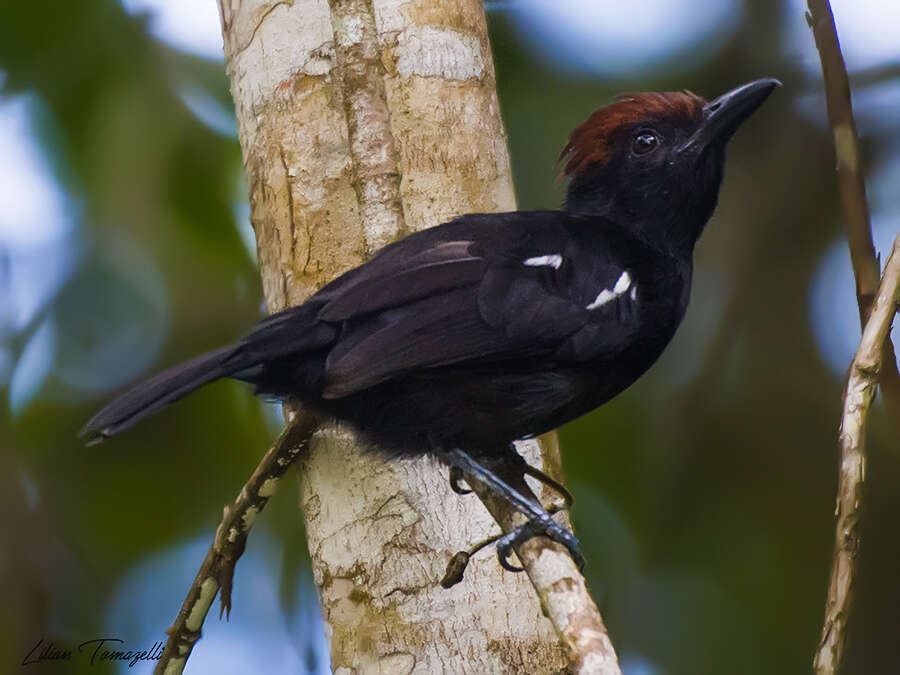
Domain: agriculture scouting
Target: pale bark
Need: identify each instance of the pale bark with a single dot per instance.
(360, 121)
(562, 590)
(862, 381)
(875, 363)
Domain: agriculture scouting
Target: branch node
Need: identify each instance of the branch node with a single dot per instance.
(455, 569)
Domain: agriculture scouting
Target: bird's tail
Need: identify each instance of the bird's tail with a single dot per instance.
(271, 358)
(154, 394)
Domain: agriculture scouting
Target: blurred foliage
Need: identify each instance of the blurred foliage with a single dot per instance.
(705, 493)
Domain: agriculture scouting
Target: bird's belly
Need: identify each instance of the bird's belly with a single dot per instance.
(485, 406)
(472, 410)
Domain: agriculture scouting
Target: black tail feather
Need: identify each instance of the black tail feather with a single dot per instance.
(258, 359)
(154, 394)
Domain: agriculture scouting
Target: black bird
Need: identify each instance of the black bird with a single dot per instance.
(457, 340)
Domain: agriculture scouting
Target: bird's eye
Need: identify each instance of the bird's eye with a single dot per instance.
(645, 142)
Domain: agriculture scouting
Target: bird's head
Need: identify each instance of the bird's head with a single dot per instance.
(653, 162)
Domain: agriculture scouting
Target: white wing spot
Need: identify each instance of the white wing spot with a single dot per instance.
(604, 296)
(623, 283)
(553, 260)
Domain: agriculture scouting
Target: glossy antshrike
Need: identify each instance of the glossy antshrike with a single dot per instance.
(462, 338)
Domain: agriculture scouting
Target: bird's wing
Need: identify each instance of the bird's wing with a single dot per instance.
(391, 281)
(490, 293)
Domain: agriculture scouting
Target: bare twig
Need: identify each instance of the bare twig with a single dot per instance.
(879, 355)
(858, 395)
(560, 586)
(851, 183)
(875, 75)
(217, 571)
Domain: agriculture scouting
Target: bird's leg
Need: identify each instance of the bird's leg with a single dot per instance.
(458, 563)
(513, 489)
(456, 475)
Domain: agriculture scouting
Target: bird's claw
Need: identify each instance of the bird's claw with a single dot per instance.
(504, 550)
(506, 544)
(556, 486)
(539, 523)
(544, 479)
(536, 527)
(456, 475)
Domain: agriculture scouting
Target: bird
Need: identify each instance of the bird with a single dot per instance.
(457, 340)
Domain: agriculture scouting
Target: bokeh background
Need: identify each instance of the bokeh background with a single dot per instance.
(704, 494)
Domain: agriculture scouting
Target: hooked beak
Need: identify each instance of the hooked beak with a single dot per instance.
(724, 115)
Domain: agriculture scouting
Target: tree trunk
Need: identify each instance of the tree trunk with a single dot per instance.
(361, 121)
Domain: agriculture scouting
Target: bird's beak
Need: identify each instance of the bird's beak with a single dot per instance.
(722, 116)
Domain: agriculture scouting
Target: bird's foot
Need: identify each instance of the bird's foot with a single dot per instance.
(544, 479)
(504, 475)
(536, 527)
(457, 476)
(506, 544)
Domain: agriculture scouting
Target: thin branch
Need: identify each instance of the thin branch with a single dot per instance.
(859, 391)
(875, 75)
(561, 588)
(851, 183)
(861, 385)
(217, 571)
